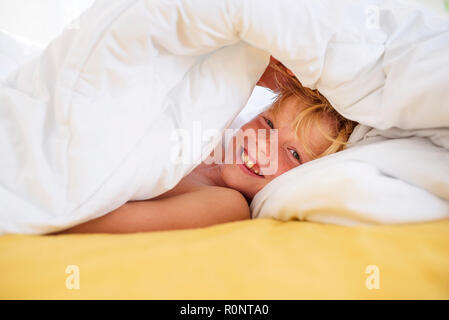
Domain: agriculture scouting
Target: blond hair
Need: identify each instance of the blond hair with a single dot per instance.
(316, 108)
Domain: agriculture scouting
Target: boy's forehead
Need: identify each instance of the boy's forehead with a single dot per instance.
(286, 113)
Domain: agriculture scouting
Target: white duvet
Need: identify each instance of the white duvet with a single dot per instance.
(86, 126)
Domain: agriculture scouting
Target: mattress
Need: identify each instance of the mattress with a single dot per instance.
(255, 259)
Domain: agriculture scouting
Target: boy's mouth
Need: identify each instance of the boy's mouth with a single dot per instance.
(248, 165)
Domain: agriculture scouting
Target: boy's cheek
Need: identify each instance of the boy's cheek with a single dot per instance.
(272, 169)
(277, 168)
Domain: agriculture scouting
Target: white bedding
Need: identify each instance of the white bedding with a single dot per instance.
(15, 51)
(86, 126)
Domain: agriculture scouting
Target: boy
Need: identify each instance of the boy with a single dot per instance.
(306, 127)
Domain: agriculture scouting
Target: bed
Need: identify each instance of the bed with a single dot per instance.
(254, 259)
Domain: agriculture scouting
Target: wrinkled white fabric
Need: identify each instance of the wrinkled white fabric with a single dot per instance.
(87, 125)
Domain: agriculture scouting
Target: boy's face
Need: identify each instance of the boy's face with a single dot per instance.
(273, 153)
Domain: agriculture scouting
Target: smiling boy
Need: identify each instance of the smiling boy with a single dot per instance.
(305, 126)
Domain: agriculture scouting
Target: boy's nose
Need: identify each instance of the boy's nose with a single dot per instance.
(267, 148)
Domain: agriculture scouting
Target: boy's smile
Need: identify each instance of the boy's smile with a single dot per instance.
(248, 165)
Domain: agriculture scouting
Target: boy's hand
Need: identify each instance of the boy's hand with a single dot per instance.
(268, 79)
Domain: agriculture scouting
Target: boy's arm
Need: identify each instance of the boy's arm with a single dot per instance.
(201, 208)
(268, 78)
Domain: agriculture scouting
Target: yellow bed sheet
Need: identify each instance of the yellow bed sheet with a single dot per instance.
(258, 259)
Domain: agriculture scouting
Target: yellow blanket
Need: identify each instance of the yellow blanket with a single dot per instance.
(259, 259)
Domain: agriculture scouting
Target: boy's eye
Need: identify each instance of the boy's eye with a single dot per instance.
(295, 154)
(269, 123)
